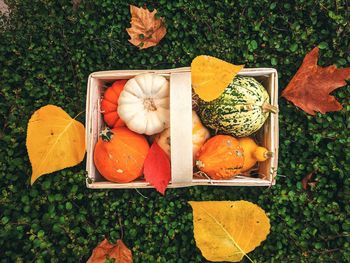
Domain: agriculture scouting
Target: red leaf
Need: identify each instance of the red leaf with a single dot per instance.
(310, 87)
(106, 250)
(157, 168)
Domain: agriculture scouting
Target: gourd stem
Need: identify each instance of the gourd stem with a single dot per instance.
(106, 134)
(267, 107)
(268, 154)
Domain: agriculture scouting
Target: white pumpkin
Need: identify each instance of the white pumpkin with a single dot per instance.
(144, 104)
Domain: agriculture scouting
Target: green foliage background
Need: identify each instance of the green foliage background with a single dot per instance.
(47, 51)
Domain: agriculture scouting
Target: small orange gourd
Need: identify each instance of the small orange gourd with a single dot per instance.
(221, 157)
(119, 154)
(109, 104)
(253, 153)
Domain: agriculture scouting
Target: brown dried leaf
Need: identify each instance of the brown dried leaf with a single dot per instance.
(310, 87)
(106, 250)
(146, 30)
(306, 182)
(76, 4)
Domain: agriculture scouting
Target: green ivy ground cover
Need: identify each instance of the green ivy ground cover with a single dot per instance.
(47, 51)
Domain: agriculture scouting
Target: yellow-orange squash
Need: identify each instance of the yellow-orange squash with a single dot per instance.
(119, 154)
(253, 153)
(199, 135)
(221, 157)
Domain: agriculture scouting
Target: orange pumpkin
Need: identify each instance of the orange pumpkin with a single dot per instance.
(221, 157)
(109, 104)
(119, 154)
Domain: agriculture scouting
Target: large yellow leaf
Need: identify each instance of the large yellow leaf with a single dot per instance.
(227, 230)
(211, 76)
(54, 141)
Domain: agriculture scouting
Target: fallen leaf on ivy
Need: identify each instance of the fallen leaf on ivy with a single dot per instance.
(307, 180)
(310, 87)
(146, 29)
(227, 230)
(54, 141)
(76, 4)
(211, 76)
(105, 250)
(156, 168)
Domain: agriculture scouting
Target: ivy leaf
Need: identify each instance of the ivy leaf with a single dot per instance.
(105, 250)
(146, 29)
(310, 87)
(54, 141)
(157, 168)
(227, 230)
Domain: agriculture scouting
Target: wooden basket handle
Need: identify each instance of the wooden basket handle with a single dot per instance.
(181, 129)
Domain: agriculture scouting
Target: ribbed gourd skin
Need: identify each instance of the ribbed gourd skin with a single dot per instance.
(239, 109)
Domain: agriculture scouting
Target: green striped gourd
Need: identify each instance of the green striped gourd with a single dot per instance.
(240, 110)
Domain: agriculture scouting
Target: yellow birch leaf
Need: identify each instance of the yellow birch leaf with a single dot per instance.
(227, 230)
(54, 141)
(211, 76)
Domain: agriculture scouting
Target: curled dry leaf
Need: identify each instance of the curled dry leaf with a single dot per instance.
(76, 4)
(54, 141)
(310, 87)
(146, 29)
(106, 250)
(227, 230)
(308, 180)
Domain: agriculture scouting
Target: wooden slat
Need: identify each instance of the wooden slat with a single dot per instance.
(181, 128)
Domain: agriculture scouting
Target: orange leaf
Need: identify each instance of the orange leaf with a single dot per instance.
(146, 30)
(310, 87)
(106, 250)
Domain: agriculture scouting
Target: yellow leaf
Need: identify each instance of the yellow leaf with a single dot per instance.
(211, 76)
(227, 230)
(54, 141)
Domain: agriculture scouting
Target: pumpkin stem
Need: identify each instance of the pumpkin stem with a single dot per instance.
(268, 154)
(106, 134)
(149, 104)
(199, 164)
(267, 107)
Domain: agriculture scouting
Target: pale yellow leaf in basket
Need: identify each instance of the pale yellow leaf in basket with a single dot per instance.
(54, 141)
(227, 230)
(211, 76)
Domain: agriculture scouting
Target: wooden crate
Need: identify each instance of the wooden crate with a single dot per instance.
(181, 138)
